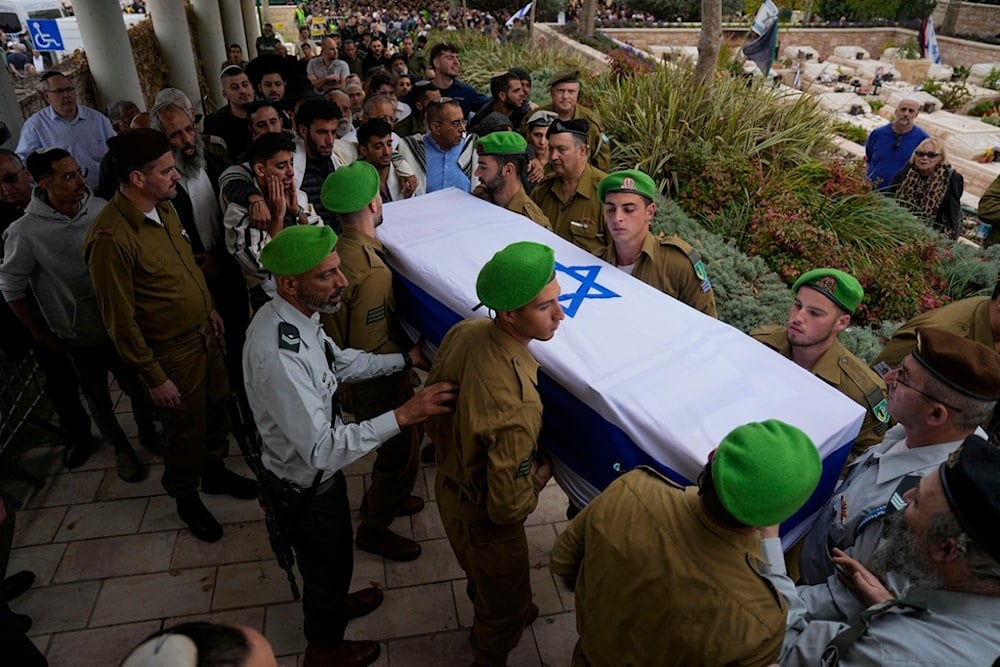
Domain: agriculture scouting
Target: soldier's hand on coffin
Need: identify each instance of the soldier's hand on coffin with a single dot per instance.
(435, 399)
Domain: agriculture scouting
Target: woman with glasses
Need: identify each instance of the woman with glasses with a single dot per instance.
(931, 188)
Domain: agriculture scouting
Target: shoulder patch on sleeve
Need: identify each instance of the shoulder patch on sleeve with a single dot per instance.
(288, 337)
(696, 262)
(524, 468)
(375, 314)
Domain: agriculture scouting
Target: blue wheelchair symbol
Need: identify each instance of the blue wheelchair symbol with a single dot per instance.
(45, 35)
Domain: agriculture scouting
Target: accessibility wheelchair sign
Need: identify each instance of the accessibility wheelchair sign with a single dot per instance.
(45, 35)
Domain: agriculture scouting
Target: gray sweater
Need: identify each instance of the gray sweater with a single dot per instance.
(44, 250)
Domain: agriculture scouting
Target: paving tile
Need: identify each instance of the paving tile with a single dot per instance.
(251, 617)
(356, 485)
(250, 584)
(43, 460)
(42, 559)
(544, 593)
(436, 563)
(98, 647)
(67, 489)
(161, 514)
(289, 660)
(566, 596)
(407, 612)
(430, 473)
(369, 570)
(37, 526)
(240, 542)
(113, 488)
(58, 608)
(227, 509)
(147, 596)
(283, 628)
(462, 603)
(427, 524)
(102, 458)
(362, 466)
(116, 556)
(555, 637)
(42, 643)
(540, 540)
(451, 649)
(552, 502)
(115, 517)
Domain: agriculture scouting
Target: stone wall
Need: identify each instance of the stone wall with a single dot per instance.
(975, 19)
(874, 40)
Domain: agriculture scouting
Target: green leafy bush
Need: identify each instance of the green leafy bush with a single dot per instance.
(850, 131)
(992, 79)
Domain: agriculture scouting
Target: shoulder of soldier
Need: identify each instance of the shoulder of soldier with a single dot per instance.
(769, 333)
(858, 371)
(693, 256)
(588, 113)
(596, 176)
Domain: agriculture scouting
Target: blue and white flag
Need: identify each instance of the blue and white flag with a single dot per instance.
(761, 48)
(522, 14)
(928, 41)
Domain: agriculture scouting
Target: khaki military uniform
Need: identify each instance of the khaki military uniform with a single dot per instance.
(579, 218)
(659, 582)
(521, 204)
(485, 488)
(156, 305)
(367, 322)
(599, 151)
(672, 266)
(839, 368)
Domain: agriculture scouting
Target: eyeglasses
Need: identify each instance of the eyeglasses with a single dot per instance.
(12, 178)
(900, 374)
(927, 154)
(70, 175)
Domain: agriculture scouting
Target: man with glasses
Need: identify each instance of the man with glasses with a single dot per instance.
(444, 156)
(889, 147)
(67, 123)
(824, 301)
(938, 395)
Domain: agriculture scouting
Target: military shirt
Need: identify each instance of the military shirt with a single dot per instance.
(839, 368)
(599, 151)
(149, 287)
(521, 204)
(672, 266)
(291, 369)
(659, 582)
(579, 218)
(487, 445)
(854, 507)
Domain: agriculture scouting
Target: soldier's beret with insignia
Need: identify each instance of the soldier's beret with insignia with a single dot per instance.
(841, 288)
(968, 367)
(629, 180)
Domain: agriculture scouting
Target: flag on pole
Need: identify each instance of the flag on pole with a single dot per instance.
(760, 49)
(522, 13)
(928, 41)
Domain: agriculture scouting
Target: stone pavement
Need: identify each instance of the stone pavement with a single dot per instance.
(114, 564)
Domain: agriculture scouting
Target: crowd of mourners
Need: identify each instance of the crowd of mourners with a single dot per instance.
(197, 256)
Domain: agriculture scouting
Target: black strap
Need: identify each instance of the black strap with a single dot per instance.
(842, 643)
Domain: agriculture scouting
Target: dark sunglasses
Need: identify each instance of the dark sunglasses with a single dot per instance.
(927, 154)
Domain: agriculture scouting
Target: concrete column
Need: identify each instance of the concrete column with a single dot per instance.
(171, 28)
(265, 12)
(10, 109)
(232, 28)
(109, 53)
(252, 26)
(213, 52)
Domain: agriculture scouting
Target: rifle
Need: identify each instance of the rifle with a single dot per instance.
(272, 502)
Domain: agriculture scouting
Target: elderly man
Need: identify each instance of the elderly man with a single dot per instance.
(327, 71)
(824, 301)
(501, 163)
(447, 65)
(44, 249)
(889, 147)
(292, 371)
(564, 88)
(569, 197)
(66, 123)
(667, 263)
(489, 468)
(931, 589)
(158, 310)
(230, 122)
(939, 394)
(646, 538)
(368, 322)
(444, 157)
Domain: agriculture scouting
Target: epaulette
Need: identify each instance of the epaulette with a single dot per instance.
(875, 397)
(692, 255)
(288, 337)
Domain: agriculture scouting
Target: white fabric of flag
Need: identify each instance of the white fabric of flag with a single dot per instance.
(522, 14)
(929, 44)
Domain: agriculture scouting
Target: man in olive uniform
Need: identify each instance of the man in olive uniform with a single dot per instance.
(977, 318)
(568, 197)
(564, 88)
(694, 550)
(489, 471)
(668, 263)
(502, 157)
(822, 308)
(368, 322)
(159, 313)
(292, 369)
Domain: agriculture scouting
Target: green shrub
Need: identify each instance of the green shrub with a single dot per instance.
(983, 107)
(876, 105)
(850, 131)
(992, 80)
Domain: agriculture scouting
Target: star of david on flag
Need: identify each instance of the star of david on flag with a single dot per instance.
(588, 287)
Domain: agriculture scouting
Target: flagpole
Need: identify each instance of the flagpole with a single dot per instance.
(531, 26)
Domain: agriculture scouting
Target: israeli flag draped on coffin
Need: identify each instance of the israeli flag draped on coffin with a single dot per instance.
(632, 376)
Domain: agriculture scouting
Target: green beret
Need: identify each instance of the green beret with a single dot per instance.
(350, 188)
(841, 288)
(968, 367)
(298, 249)
(765, 471)
(969, 478)
(630, 180)
(515, 275)
(565, 76)
(502, 143)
